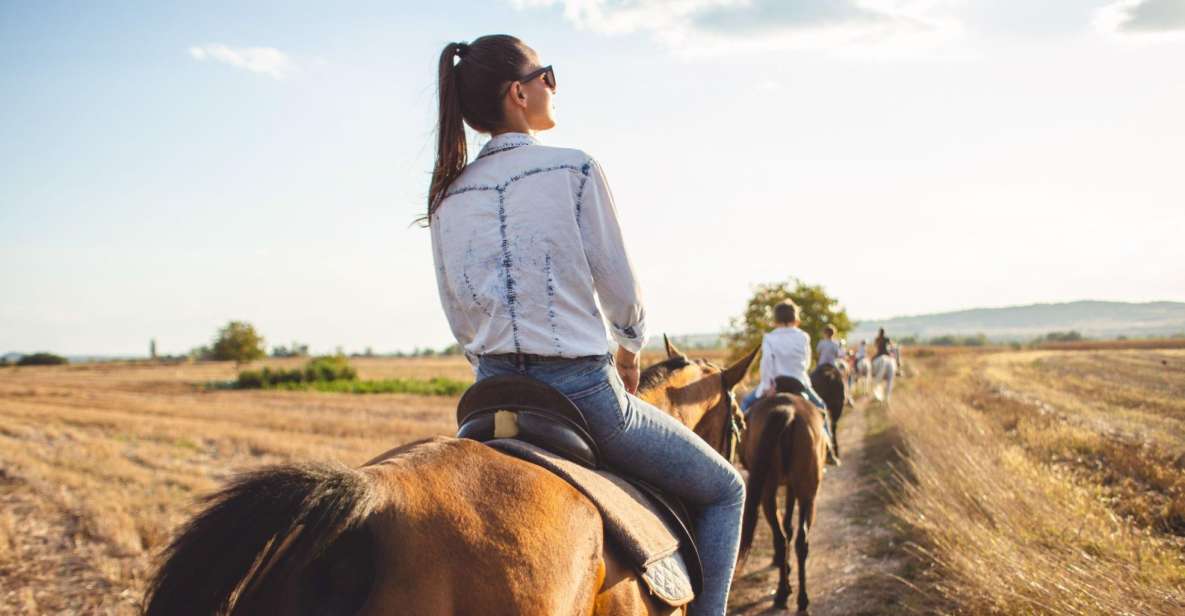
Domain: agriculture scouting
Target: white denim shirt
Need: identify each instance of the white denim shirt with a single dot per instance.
(526, 244)
(828, 351)
(785, 351)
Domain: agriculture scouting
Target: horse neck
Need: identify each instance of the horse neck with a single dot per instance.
(692, 405)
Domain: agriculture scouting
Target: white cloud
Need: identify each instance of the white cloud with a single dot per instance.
(699, 27)
(1150, 20)
(264, 60)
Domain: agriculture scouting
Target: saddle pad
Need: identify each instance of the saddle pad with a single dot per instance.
(632, 521)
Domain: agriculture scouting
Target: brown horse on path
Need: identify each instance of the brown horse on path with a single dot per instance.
(438, 526)
(784, 445)
(828, 381)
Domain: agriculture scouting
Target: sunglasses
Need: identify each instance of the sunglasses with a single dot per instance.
(548, 74)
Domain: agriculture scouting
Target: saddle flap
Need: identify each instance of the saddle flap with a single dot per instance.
(644, 531)
(515, 392)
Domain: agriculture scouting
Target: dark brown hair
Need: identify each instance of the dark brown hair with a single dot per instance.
(785, 312)
(829, 330)
(472, 77)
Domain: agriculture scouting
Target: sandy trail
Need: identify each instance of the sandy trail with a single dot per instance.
(852, 557)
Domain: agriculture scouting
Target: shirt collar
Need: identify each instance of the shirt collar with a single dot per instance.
(506, 141)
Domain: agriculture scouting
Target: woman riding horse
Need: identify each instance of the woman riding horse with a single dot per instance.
(526, 241)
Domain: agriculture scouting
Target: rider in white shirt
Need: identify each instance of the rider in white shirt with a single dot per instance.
(785, 351)
(828, 349)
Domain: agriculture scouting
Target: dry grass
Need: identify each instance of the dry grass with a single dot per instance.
(1115, 419)
(98, 464)
(1095, 345)
(1005, 530)
(1038, 482)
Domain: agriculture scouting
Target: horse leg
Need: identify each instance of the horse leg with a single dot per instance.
(783, 594)
(802, 548)
(835, 429)
(802, 544)
(769, 505)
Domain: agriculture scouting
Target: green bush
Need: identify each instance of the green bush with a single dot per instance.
(335, 374)
(251, 379)
(436, 386)
(42, 359)
(317, 370)
(330, 368)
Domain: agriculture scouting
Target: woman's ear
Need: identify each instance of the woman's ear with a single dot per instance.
(518, 94)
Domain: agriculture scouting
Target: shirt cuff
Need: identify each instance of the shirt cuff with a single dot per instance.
(630, 337)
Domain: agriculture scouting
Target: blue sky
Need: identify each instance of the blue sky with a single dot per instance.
(169, 168)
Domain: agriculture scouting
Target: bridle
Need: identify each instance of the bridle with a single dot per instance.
(731, 430)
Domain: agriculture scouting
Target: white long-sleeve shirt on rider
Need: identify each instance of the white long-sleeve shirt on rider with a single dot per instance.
(530, 258)
(828, 351)
(785, 351)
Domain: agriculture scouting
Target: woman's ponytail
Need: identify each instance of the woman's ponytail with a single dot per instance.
(472, 78)
(451, 152)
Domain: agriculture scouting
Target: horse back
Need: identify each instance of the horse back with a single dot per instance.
(800, 447)
(829, 383)
(474, 531)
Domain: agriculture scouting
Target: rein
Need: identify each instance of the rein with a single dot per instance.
(731, 429)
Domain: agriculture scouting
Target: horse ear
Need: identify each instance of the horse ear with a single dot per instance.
(736, 372)
(672, 351)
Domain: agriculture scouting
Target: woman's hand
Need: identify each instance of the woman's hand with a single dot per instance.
(627, 368)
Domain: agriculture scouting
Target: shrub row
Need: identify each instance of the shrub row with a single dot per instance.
(319, 370)
(436, 386)
(335, 374)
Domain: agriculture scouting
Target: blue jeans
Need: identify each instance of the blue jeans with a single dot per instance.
(639, 440)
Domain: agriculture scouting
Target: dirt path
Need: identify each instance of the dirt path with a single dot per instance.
(853, 557)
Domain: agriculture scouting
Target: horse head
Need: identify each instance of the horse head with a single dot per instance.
(699, 394)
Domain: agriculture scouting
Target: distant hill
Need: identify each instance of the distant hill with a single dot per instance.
(1092, 319)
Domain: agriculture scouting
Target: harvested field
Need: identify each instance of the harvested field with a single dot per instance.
(99, 463)
(1037, 482)
(1041, 481)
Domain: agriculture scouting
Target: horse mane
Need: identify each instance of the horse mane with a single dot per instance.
(276, 519)
(660, 373)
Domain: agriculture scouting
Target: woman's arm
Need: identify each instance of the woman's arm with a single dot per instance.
(613, 276)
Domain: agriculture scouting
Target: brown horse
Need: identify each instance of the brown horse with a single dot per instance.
(438, 526)
(828, 381)
(784, 444)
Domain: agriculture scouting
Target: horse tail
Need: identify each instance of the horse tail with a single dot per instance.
(276, 520)
(777, 423)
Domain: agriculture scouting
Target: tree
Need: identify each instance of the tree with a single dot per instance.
(816, 310)
(296, 350)
(238, 342)
(42, 359)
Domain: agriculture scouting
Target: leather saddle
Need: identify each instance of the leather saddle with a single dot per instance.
(518, 407)
(788, 385)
